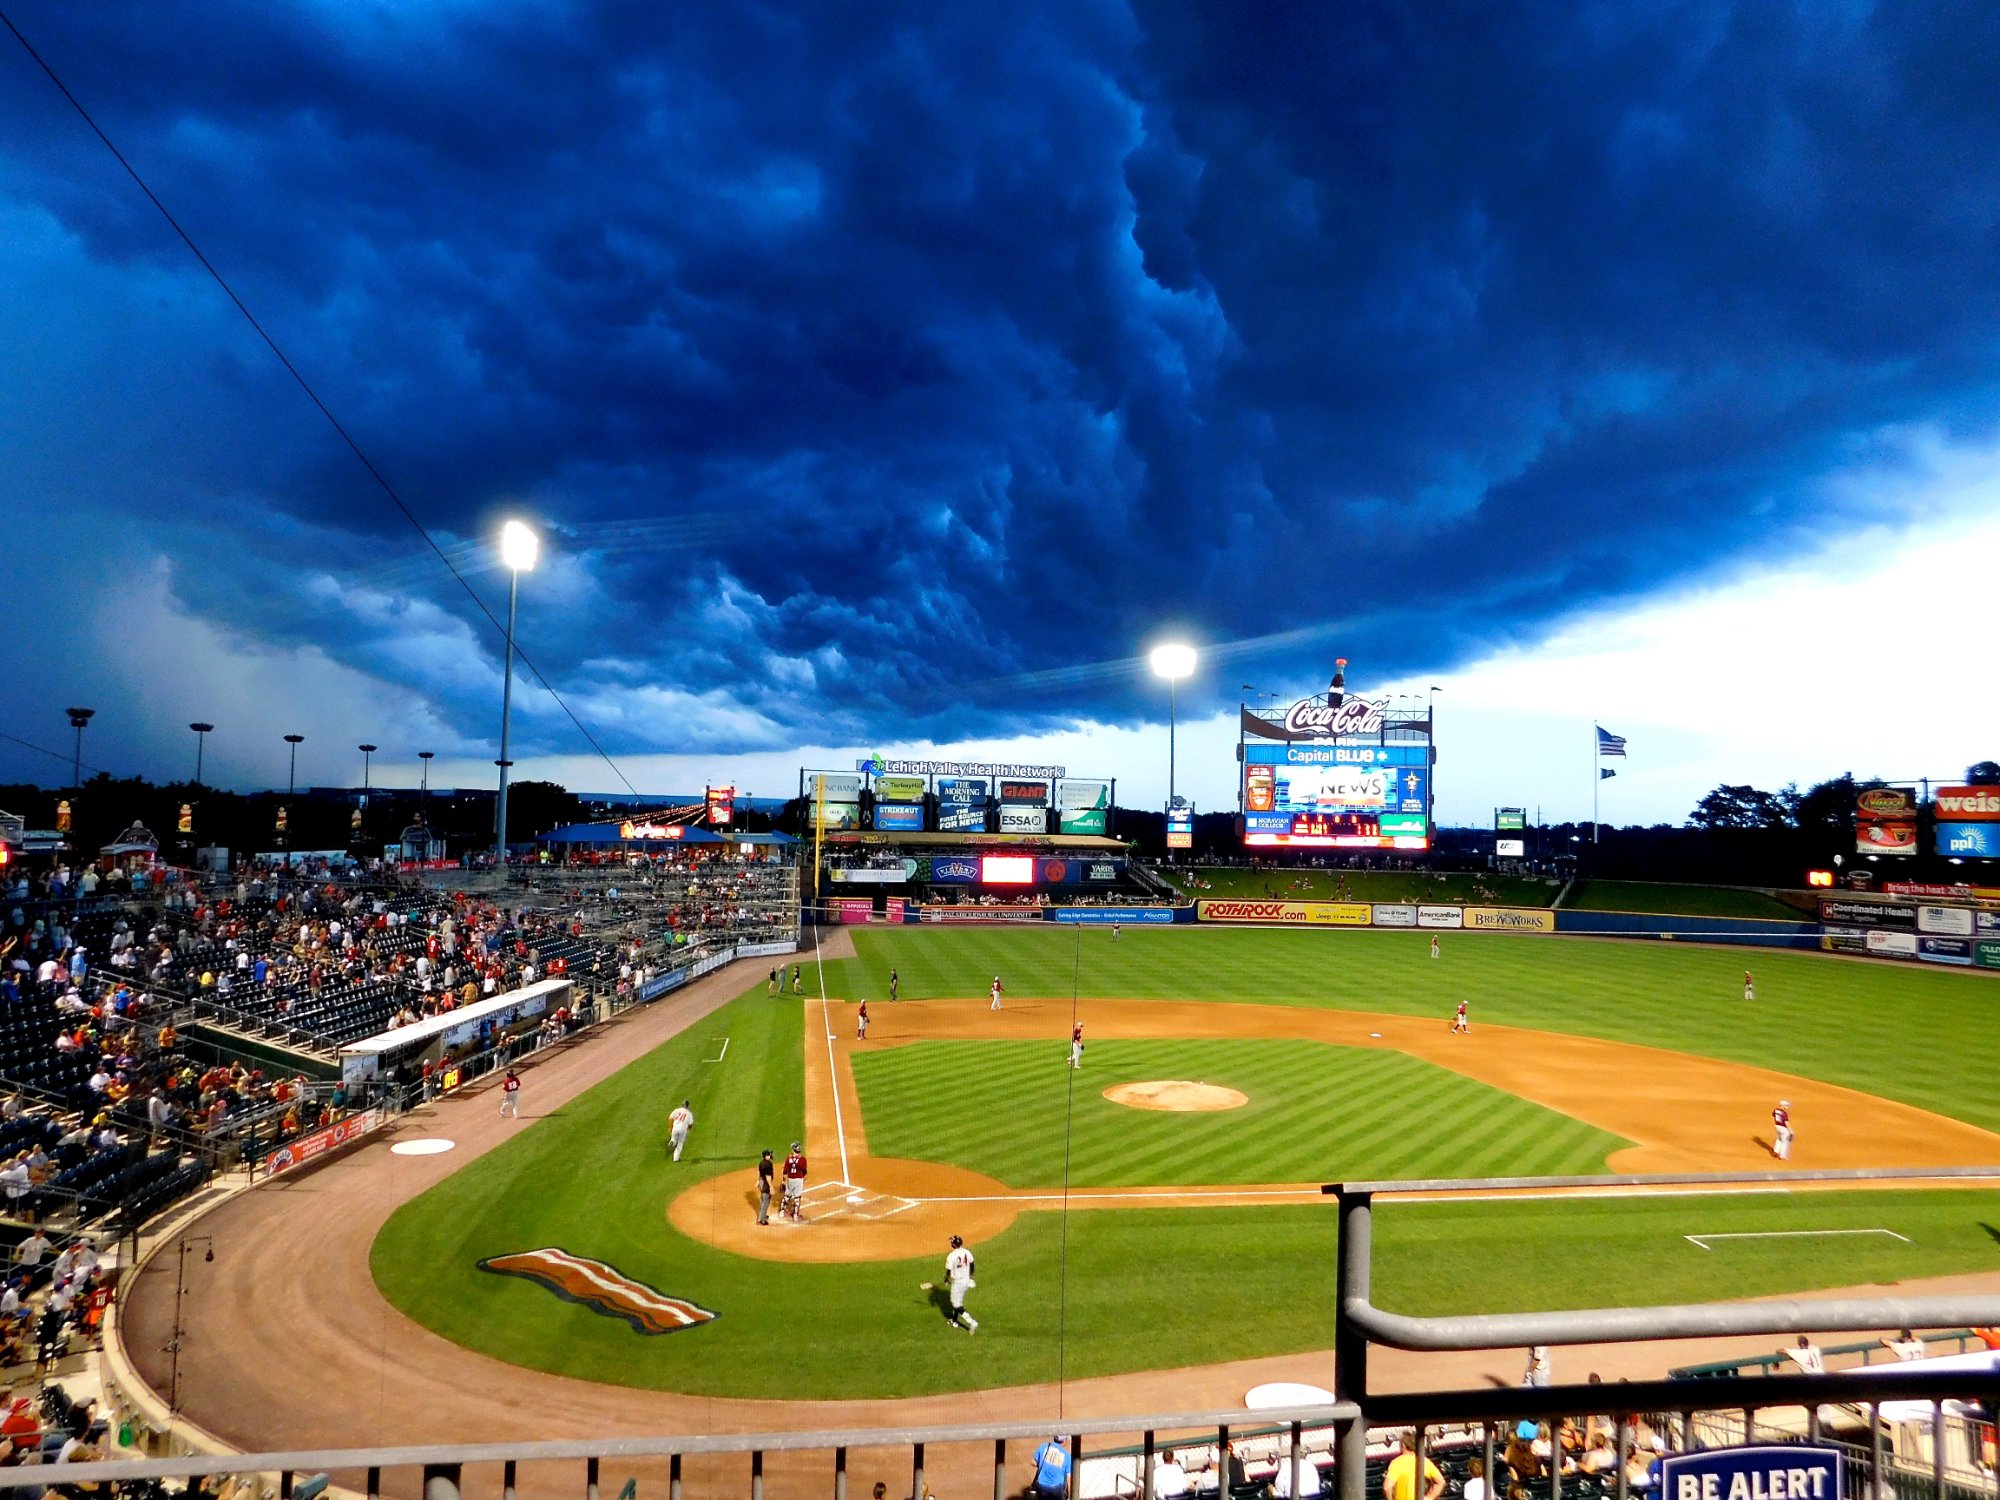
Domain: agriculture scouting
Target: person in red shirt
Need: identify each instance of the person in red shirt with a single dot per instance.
(861, 1023)
(793, 1204)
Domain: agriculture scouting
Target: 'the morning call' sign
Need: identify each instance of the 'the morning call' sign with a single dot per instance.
(1768, 1472)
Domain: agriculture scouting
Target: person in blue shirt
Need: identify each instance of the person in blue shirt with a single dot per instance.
(1051, 1469)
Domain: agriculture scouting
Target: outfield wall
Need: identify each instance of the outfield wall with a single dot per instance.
(1755, 932)
(1751, 931)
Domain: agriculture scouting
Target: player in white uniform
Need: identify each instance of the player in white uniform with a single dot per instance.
(1114, 932)
(958, 1267)
(861, 1023)
(1781, 1130)
(1460, 1022)
(678, 1125)
(1076, 1045)
(1749, 986)
(1434, 945)
(997, 987)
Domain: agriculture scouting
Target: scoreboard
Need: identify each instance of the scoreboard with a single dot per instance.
(1365, 795)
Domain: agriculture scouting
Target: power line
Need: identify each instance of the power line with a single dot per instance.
(306, 386)
(62, 755)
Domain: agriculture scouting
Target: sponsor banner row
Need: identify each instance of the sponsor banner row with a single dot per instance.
(317, 1143)
(1958, 921)
(659, 984)
(1387, 914)
(1986, 955)
(1867, 914)
(767, 950)
(891, 876)
(1104, 916)
(899, 817)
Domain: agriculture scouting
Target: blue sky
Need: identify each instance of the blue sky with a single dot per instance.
(893, 377)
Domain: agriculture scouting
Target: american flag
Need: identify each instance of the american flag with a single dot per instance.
(1609, 743)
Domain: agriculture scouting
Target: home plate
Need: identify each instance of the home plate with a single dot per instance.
(857, 1197)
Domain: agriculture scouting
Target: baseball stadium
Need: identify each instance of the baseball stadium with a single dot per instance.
(783, 891)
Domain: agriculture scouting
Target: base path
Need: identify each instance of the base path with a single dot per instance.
(1683, 1114)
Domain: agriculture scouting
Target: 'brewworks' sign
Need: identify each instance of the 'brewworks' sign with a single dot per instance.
(1755, 1473)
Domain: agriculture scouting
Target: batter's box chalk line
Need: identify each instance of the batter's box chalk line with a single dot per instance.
(720, 1055)
(847, 1200)
(1789, 1234)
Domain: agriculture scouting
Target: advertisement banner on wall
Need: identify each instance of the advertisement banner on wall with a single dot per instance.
(1023, 819)
(1945, 950)
(1866, 914)
(1969, 840)
(297, 1153)
(962, 791)
(1395, 916)
(952, 870)
(893, 908)
(1967, 804)
(956, 817)
(1085, 805)
(1025, 793)
(1509, 919)
(1946, 921)
(1440, 916)
(900, 788)
(839, 876)
(1986, 923)
(1100, 869)
(1104, 916)
(1290, 913)
(964, 916)
(1843, 940)
(899, 817)
(852, 909)
(1892, 944)
(1510, 848)
(1986, 955)
(1898, 839)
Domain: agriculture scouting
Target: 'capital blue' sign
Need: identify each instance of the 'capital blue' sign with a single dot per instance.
(1766, 1472)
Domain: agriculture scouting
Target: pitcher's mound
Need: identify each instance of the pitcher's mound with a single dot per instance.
(1176, 1094)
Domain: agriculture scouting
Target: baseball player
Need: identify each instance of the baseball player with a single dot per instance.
(1749, 986)
(861, 1023)
(997, 988)
(958, 1267)
(795, 981)
(771, 988)
(1076, 1045)
(1461, 1023)
(895, 984)
(510, 1095)
(1434, 945)
(793, 1202)
(1114, 929)
(1781, 1130)
(678, 1124)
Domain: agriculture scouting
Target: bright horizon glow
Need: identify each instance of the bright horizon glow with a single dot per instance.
(1173, 660)
(519, 546)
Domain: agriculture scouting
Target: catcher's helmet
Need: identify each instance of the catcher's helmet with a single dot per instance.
(956, 1242)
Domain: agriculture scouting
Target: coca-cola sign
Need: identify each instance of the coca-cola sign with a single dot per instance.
(1316, 717)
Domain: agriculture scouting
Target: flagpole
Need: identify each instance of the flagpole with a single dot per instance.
(1597, 773)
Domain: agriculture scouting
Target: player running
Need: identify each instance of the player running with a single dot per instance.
(958, 1268)
(1781, 1129)
(1076, 1045)
(510, 1096)
(679, 1123)
(1461, 1023)
(997, 988)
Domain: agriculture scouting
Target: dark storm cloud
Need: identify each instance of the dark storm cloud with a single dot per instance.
(874, 368)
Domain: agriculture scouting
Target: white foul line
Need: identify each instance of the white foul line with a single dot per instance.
(720, 1055)
(1787, 1234)
(832, 1074)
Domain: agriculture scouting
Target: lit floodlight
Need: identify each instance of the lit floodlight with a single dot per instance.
(519, 546)
(1173, 661)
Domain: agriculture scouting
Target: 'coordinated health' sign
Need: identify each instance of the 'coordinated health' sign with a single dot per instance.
(1765, 1472)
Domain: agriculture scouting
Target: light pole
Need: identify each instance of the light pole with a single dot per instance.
(519, 548)
(201, 734)
(292, 780)
(79, 720)
(1173, 662)
(424, 791)
(361, 812)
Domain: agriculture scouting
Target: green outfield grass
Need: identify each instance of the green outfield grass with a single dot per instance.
(1687, 900)
(1017, 1112)
(1100, 1291)
(1364, 885)
(1905, 1031)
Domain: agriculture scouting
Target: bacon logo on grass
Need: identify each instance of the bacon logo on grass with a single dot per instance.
(593, 1284)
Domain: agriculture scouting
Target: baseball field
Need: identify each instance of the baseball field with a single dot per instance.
(1113, 1237)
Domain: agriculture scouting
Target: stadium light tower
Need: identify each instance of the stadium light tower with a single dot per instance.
(520, 548)
(292, 780)
(1172, 661)
(201, 734)
(79, 720)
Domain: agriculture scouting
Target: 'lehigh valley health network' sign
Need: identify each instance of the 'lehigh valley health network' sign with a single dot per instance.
(880, 767)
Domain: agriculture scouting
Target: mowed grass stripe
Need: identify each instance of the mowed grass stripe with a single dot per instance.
(1315, 1112)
